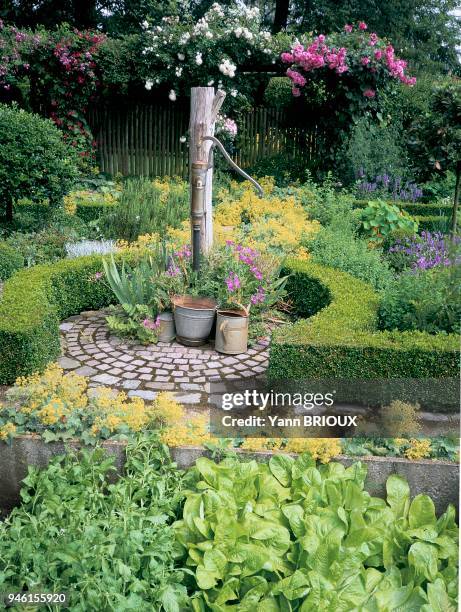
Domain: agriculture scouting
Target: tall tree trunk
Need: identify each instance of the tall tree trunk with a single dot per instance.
(454, 217)
(282, 9)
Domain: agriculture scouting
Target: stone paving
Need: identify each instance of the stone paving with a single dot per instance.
(90, 349)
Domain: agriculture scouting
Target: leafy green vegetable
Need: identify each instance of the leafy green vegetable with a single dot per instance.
(109, 545)
(291, 537)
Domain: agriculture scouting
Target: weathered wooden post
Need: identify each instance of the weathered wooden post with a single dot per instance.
(204, 108)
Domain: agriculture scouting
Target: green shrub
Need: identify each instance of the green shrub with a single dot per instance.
(428, 300)
(146, 207)
(440, 186)
(48, 244)
(88, 204)
(337, 248)
(341, 339)
(416, 208)
(324, 203)
(92, 211)
(10, 261)
(34, 160)
(433, 223)
(372, 149)
(278, 92)
(30, 216)
(33, 216)
(282, 167)
(380, 219)
(33, 303)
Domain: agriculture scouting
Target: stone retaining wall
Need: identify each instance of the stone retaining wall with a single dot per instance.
(439, 479)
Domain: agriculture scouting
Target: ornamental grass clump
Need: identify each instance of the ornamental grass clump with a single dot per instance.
(60, 406)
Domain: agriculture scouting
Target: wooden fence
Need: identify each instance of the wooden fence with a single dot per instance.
(147, 140)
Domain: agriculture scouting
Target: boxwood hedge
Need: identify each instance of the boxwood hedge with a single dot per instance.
(340, 338)
(33, 303)
(10, 261)
(416, 208)
(85, 210)
(432, 223)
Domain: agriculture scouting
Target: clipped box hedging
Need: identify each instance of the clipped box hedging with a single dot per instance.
(341, 339)
(432, 223)
(33, 303)
(87, 210)
(415, 208)
(91, 211)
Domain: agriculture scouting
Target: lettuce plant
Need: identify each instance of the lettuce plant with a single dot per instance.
(288, 536)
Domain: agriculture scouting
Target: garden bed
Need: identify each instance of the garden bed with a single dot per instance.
(439, 479)
(339, 338)
(341, 341)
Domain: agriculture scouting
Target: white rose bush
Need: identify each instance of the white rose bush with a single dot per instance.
(219, 49)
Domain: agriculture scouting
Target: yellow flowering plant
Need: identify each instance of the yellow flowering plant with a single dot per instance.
(320, 449)
(60, 406)
(272, 223)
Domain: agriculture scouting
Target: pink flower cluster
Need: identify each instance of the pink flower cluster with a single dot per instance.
(233, 282)
(316, 55)
(247, 256)
(397, 67)
(173, 270)
(259, 296)
(320, 55)
(150, 324)
(230, 127)
(184, 252)
(73, 61)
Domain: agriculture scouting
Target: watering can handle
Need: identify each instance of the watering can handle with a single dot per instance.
(223, 328)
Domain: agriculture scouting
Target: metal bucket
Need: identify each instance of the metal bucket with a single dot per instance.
(231, 332)
(167, 331)
(193, 317)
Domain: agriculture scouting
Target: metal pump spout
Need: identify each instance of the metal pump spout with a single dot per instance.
(230, 161)
(199, 171)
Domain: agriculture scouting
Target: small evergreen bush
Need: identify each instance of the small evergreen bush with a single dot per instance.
(34, 160)
(10, 261)
(427, 301)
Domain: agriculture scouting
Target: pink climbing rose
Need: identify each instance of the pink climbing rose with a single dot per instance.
(343, 53)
